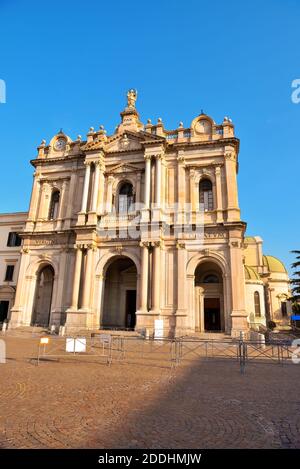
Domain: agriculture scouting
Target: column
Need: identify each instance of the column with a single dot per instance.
(70, 206)
(96, 186)
(87, 279)
(145, 211)
(77, 275)
(192, 190)
(147, 181)
(86, 187)
(231, 184)
(155, 290)
(61, 205)
(181, 278)
(109, 194)
(181, 181)
(144, 277)
(238, 311)
(34, 198)
(100, 204)
(158, 180)
(45, 198)
(219, 204)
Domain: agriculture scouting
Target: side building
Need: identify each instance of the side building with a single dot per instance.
(11, 226)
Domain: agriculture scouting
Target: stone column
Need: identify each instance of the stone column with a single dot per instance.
(87, 279)
(45, 198)
(70, 205)
(158, 180)
(181, 311)
(144, 277)
(34, 198)
(145, 211)
(192, 190)
(86, 187)
(231, 184)
(147, 181)
(109, 194)
(76, 280)
(238, 311)
(181, 180)
(155, 287)
(61, 210)
(219, 204)
(96, 186)
(100, 203)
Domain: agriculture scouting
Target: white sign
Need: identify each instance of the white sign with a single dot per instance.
(158, 328)
(76, 345)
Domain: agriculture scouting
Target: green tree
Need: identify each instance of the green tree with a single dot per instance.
(295, 282)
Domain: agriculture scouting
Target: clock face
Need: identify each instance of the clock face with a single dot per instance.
(60, 144)
(203, 127)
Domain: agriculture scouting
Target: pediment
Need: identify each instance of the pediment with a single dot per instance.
(123, 143)
(123, 169)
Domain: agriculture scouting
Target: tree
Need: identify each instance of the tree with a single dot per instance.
(295, 282)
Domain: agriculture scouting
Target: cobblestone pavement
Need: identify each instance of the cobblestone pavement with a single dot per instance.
(203, 404)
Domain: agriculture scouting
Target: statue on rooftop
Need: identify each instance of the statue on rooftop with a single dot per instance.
(131, 98)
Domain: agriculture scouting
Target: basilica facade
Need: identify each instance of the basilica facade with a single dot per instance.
(144, 225)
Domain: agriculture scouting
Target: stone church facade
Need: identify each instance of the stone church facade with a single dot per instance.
(143, 225)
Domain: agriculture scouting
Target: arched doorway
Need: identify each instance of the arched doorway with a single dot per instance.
(43, 297)
(120, 287)
(209, 298)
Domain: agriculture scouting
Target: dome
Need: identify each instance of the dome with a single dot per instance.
(274, 264)
(250, 273)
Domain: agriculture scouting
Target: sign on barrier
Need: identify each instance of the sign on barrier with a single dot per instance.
(77, 345)
(158, 328)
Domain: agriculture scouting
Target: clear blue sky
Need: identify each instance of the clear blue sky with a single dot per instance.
(69, 63)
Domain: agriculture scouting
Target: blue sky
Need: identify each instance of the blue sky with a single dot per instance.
(69, 63)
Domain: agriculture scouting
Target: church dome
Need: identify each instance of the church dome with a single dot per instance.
(274, 264)
(250, 273)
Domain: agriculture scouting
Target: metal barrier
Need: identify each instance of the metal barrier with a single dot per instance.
(104, 346)
(161, 352)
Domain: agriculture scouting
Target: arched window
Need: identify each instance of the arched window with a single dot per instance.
(257, 304)
(211, 278)
(53, 210)
(206, 194)
(126, 198)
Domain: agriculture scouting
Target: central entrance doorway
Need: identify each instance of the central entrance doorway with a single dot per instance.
(119, 306)
(43, 297)
(212, 314)
(209, 298)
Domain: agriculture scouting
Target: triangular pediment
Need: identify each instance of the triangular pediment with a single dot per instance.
(123, 168)
(124, 142)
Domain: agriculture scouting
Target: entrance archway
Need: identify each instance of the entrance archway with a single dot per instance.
(43, 297)
(120, 289)
(209, 298)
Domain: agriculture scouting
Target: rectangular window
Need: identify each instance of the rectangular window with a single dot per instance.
(13, 239)
(9, 273)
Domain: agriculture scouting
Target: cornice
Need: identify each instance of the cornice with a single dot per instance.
(208, 143)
